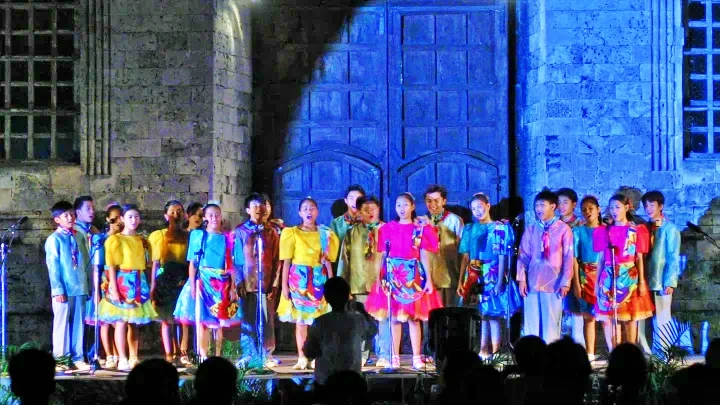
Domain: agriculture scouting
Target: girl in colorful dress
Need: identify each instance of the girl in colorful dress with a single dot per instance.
(307, 251)
(216, 277)
(411, 290)
(484, 247)
(169, 271)
(586, 265)
(127, 303)
(630, 242)
(113, 225)
(193, 220)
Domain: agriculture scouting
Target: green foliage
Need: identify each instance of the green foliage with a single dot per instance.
(669, 357)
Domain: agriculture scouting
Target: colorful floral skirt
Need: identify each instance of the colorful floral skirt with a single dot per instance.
(90, 304)
(404, 282)
(216, 308)
(496, 305)
(585, 304)
(169, 282)
(134, 305)
(630, 305)
(306, 284)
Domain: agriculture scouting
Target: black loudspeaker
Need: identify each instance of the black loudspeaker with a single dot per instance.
(454, 329)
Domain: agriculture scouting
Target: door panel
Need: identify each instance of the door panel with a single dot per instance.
(337, 134)
(447, 88)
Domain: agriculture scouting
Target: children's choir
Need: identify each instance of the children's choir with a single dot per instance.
(195, 274)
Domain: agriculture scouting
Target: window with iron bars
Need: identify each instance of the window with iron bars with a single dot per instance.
(38, 114)
(701, 71)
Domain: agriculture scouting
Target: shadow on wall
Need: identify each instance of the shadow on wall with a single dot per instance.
(697, 299)
(288, 45)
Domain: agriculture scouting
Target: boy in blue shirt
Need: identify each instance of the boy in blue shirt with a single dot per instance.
(68, 285)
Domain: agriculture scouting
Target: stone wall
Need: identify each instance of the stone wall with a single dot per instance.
(179, 130)
(232, 104)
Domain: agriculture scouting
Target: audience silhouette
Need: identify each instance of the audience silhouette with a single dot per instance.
(32, 376)
(153, 382)
(215, 382)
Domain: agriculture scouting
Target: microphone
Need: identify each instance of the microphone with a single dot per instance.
(204, 224)
(607, 221)
(696, 228)
(387, 247)
(518, 218)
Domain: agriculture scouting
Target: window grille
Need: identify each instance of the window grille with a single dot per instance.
(38, 114)
(701, 71)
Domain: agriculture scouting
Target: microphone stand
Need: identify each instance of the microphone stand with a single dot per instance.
(260, 299)
(4, 253)
(388, 280)
(614, 288)
(198, 258)
(95, 254)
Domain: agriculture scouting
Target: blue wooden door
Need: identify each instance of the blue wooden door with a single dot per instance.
(448, 99)
(337, 134)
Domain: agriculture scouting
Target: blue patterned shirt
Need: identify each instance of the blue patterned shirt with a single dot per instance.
(66, 278)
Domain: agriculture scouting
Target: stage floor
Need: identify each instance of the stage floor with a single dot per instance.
(285, 371)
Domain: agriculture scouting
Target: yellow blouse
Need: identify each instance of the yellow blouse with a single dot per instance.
(125, 252)
(303, 247)
(173, 251)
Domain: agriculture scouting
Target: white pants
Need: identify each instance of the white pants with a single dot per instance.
(68, 323)
(662, 316)
(543, 315)
(578, 328)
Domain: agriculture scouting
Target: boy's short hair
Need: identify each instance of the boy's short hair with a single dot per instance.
(367, 200)
(255, 197)
(547, 195)
(436, 188)
(355, 187)
(569, 193)
(653, 196)
(80, 201)
(60, 208)
(337, 292)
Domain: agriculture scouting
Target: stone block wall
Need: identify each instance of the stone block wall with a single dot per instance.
(179, 129)
(232, 105)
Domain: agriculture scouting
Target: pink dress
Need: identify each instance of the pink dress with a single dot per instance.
(402, 276)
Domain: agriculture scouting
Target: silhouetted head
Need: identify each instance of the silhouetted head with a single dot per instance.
(216, 381)
(466, 380)
(712, 356)
(154, 381)
(346, 388)
(32, 375)
(337, 293)
(530, 355)
(627, 368)
(567, 370)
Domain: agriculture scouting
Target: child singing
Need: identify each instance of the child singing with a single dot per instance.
(214, 275)
(247, 257)
(405, 276)
(629, 244)
(307, 250)
(545, 269)
(68, 286)
(169, 272)
(663, 264)
(127, 303)
(484, 246)
(586, 270)
(358, 265)
(113, 225)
